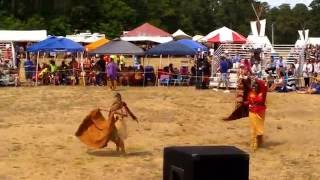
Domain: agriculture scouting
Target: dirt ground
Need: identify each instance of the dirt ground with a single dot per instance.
(37, 126)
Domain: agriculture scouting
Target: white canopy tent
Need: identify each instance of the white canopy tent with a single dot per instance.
(314, 41)
(262, 42)
(179, 34)
(197, 38)
(9, 37)
(22, 36)
(147, 38)
(224, 35)
(85, 37)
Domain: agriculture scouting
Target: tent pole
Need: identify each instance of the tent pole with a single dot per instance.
(82, 69)
(13, 52)
(37, 68)
(143, 61)
(144, 72)
(159, 66)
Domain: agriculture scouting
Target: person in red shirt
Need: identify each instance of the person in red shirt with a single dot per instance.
(257, 108)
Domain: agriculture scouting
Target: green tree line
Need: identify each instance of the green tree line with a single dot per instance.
(61, 17)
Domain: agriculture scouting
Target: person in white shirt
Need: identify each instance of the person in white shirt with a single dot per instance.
(296, 65)
(317, 67)
(256, 69)
(307, 72)
(280, 63)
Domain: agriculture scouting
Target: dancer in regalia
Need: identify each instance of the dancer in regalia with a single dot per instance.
(257, 108)
(95, 131)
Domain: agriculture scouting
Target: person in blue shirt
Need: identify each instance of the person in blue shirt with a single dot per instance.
(28, 68)
(223, 69)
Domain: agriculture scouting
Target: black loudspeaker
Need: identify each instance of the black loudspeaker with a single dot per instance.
(205, 163)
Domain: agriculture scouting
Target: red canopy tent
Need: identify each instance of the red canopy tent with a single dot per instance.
(225, 35)
(147, 29)
(147, 32)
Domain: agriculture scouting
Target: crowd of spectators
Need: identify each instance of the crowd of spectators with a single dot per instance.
(281, 76)
(96, 70)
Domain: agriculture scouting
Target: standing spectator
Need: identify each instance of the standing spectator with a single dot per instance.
(193, 74)
(297, 66)
(229, 61)
(236, 60)
(317, 67)
(307, 71)
(63, 72)
(18, 61)
(100, 67)
(122, 62)
(75, 67)
(206, 69)
(111, 70)
(223, 69)
(28, 68)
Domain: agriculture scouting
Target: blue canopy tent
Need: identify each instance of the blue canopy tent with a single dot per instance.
(41, 43)
(55, 44)
(193, 44)
(171, 48)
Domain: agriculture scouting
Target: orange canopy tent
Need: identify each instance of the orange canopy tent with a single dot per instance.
(96, 44)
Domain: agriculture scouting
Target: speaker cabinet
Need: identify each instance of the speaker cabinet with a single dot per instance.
(205, 163)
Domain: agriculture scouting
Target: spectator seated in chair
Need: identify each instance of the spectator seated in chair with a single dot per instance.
(138, 76)
(279, 84)
(313, 89)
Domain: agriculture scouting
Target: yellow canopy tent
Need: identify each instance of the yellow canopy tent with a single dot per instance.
(96, 44)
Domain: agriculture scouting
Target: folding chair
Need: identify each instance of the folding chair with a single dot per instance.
(164, 79)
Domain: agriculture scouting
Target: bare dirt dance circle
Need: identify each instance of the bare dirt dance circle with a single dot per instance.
(37, 128)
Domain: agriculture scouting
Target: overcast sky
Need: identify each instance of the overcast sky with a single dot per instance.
(292, 2)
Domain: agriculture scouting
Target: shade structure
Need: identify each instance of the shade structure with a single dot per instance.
(118, 47)
(85, 37)
(22, 36)
(197, 38)
(35, 47)
(261, 42)
(171, 48)
(193, 44)
(93, 39)
(147, 32)
(96, 44)
(225, 35)
(179, 34)
(56, 44)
